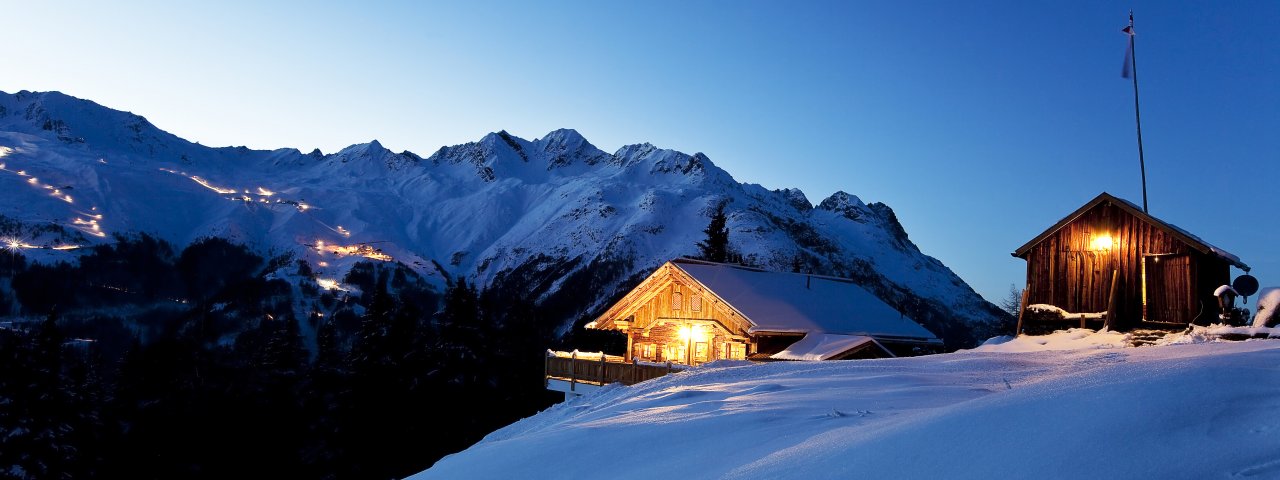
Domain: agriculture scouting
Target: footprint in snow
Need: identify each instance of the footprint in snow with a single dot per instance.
(764, 388)
(839, 414)
(1261, 470)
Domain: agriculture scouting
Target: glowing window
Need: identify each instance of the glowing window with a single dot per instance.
(700, 352)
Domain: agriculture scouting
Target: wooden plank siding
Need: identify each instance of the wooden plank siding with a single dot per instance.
(1065, 270)
(653, 314)
(654, 329)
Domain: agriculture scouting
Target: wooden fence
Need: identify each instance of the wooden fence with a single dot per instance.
(600, 369)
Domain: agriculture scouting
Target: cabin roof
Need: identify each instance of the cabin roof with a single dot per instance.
(800, 303)
(825, 346)
(1177, 232)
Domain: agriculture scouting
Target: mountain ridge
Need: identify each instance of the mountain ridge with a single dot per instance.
(550, 218)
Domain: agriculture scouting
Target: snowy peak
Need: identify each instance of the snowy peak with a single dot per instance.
(373, 153)
(661, 160)
(75, 121)
(371, 150)
(848, 206)
(565, 147)
(889, 223)
(796, 199)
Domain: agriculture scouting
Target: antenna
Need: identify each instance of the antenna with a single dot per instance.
(1132, 66)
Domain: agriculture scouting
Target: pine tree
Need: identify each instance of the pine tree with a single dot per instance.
(716, 246)
(368, 351)
(283, 354)
(459, 338)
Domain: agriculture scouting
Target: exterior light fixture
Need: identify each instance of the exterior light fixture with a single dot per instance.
(1102, 242)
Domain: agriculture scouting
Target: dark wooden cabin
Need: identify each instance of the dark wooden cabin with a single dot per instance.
(1121, 267)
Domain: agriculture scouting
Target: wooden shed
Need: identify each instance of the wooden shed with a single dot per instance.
(692, 311)
(1110, 262)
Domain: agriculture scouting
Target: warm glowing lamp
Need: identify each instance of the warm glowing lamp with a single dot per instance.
(1102, 242)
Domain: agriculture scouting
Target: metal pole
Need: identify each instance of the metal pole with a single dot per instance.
(1137, 113)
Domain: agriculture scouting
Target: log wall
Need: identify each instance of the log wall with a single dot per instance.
(1066, 271)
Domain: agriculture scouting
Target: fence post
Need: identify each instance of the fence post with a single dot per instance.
(603, 377)
(1110, 322)
(546, 369)
(573, 370)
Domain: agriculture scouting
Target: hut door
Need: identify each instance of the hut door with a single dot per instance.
(1169, 289)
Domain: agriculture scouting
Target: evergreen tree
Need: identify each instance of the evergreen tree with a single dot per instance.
(459, 335)
(283, 353)
(328, 347)
(716, 246)
(49, 408)
(369, 350)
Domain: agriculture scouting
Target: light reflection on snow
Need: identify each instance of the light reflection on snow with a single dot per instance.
(329, 284)
(361, 250)
(14, 244)
(90, 225)
(245, 195)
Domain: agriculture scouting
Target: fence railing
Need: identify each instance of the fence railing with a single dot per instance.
(595, 368)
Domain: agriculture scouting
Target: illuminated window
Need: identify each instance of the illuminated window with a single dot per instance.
(647, 351)
(695, 303)
(738, 351)
(700, 352)
(676, 299)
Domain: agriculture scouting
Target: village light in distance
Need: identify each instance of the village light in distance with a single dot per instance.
(1102, 242)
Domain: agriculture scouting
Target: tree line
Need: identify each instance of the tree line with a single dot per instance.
(228, 384)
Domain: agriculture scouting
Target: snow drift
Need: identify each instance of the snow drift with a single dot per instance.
(1206, 410)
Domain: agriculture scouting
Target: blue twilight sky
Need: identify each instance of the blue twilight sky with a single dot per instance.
(980, 123)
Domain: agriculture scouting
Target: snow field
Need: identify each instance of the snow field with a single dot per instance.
(1045, 410)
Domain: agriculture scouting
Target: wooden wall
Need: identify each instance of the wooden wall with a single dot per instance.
(654, 329)
(1064, 270)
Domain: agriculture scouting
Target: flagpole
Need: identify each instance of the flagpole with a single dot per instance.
(1137, 113)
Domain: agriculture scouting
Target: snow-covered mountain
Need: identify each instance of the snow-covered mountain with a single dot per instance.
(554, 217)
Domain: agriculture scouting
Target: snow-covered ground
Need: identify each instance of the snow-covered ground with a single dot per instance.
(1075, 404)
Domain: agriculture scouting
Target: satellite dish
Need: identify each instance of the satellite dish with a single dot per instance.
(1245, 285)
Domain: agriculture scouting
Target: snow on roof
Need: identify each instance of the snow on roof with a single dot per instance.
(1135, 210)
(823, 346)
(1228, 256)
(799, 303)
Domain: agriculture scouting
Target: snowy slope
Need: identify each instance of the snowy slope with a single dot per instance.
(1183, 411)
(544, 216)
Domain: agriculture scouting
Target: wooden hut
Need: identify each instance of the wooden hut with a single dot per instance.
(691, 312)
(1110, 262)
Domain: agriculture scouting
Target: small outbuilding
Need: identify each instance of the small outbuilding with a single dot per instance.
(1110, 263)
